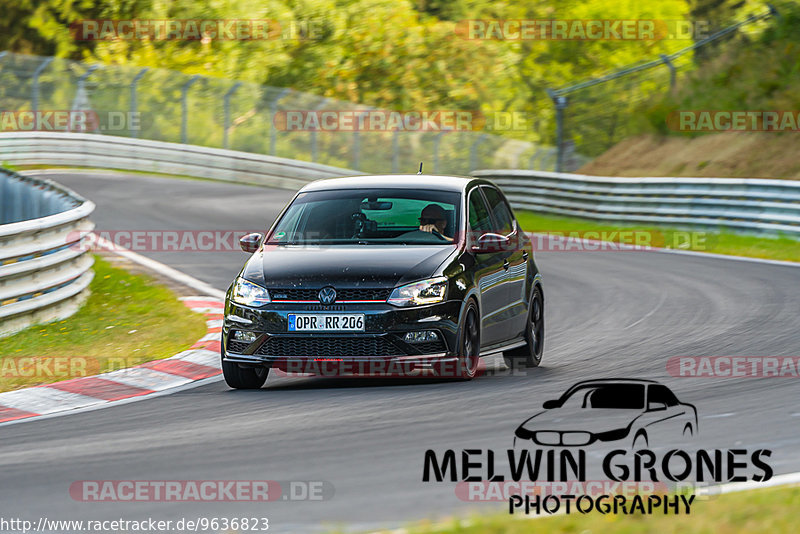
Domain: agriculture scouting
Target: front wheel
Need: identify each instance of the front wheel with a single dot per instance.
(244, 377)
(469, 343)
(530, 354)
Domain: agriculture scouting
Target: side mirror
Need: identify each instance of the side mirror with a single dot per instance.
(656, 406)
(250, 242)
(549, 405)
(488, 243)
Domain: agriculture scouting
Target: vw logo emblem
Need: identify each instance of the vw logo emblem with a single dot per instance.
(327, 295)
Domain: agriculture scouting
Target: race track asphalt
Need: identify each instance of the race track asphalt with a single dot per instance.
(608, 314)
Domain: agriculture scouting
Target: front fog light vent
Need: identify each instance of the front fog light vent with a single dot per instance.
(244, 335)
(423, 336)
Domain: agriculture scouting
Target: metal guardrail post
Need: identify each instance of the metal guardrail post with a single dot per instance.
(134, 104)
(672, 70)
(35, 92)
(273, 110)
(473, 152)
(184, 107)
(227, 110)
(560, 103)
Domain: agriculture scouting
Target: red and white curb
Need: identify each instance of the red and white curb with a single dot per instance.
(200, 363)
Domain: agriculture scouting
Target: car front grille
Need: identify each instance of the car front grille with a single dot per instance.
(237, 347)
(430, 347)
(344, 294)
(328, 347)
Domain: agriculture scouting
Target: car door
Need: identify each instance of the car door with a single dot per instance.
(666, 416)
(514, 312)
(488, 270)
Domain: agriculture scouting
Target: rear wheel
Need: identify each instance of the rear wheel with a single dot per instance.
(244, 377)
(469, 343)
(530, 354)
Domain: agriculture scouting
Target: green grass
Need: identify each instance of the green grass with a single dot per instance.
(780, 248)
(772, 510)
(127, 320)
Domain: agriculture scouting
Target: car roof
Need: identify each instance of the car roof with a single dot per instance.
(399, 181)
(599, 381)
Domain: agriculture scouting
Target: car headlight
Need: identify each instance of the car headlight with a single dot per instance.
(249, 294)
(420, 293)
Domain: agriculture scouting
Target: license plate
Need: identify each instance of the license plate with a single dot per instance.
(340, 322)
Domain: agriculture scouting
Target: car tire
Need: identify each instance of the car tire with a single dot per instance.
(530, 354)
(238, 377)
(469, 343)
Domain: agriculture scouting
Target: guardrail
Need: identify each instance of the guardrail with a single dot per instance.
(112, 152)
(44, 273)
(746, 205)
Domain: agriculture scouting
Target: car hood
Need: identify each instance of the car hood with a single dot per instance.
(374, 266)
(580, 419)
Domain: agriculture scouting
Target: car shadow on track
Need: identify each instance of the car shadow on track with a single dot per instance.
(491, 369)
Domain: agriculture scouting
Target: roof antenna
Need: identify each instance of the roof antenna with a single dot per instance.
(420, 168)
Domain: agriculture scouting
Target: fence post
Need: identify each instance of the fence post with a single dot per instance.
(672, 71)
(227, 108)
(273, 109)
(560, 103)
(184, 107)
(35, 96)
(473, 152)
(548, 158)
(357, 143)
(533, 157)
(436, 141)
(395, 151)
(134, 104)
(314, 149)
(81, 90)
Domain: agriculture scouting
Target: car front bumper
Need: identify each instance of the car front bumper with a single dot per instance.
(381, 341)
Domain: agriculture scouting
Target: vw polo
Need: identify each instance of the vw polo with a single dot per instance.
(429, 271)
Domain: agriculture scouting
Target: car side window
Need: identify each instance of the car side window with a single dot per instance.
(660, 393)
(503, 219)
(480, 222)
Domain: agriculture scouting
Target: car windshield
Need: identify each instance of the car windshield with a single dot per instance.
(619, 396)
(369, 216)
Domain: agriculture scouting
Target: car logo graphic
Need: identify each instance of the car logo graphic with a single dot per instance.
(639, 412)
(327, 295)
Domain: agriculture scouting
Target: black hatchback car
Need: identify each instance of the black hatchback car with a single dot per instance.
(426, 273)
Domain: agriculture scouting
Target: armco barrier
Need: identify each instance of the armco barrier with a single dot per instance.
(745, 205)
(111, 152)
(43, 275)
